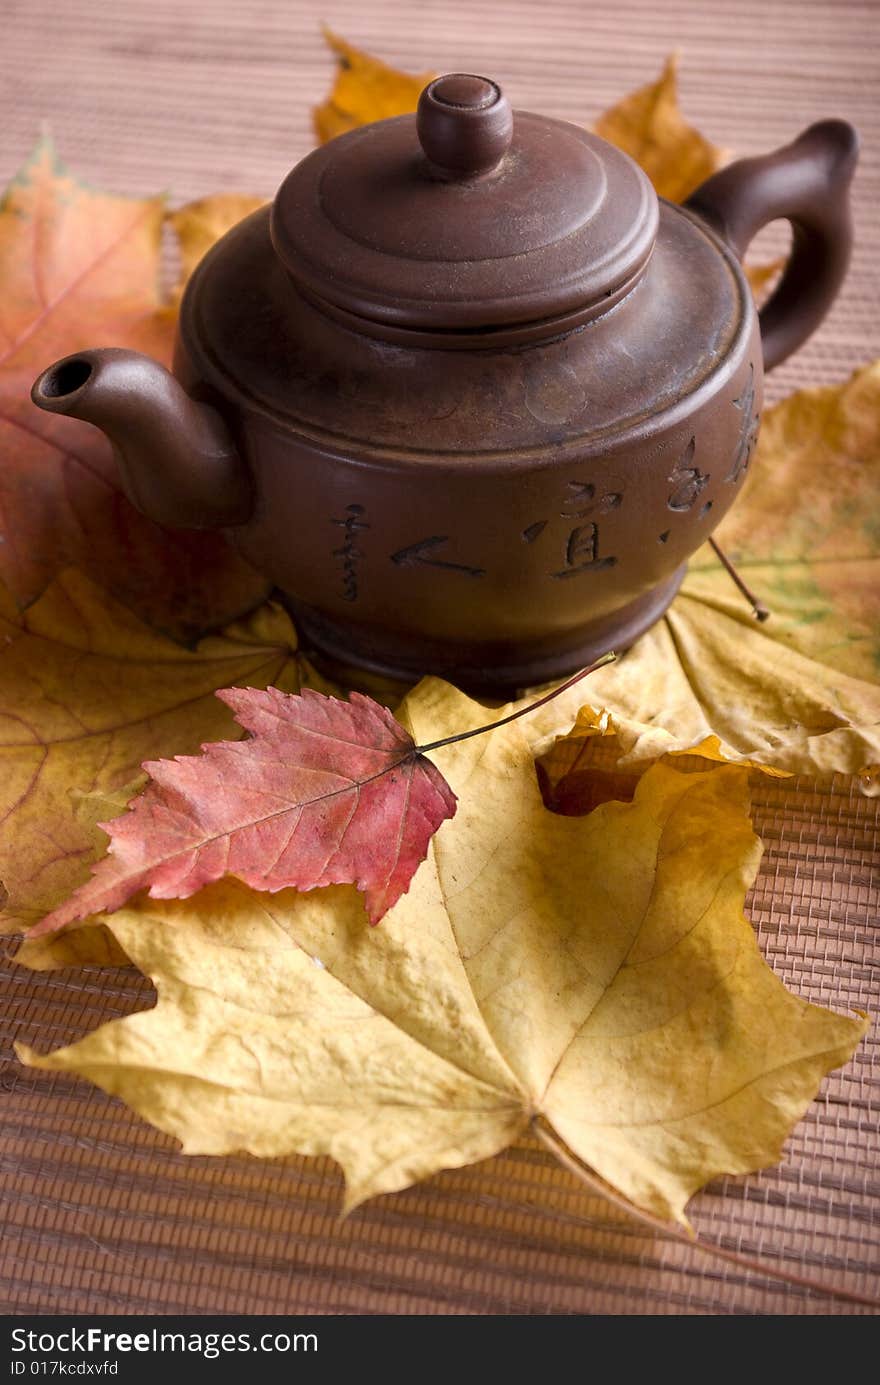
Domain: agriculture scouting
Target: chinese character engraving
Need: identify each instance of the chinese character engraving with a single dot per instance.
(421, 554)
(580, 500)
(534, 531)
(687, 481)
(582, 553)
(582, 543)
(748, 434)
(349, 550)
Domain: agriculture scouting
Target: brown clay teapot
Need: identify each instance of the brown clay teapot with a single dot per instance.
(467, 393)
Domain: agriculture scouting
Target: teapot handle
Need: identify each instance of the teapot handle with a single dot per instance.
(807, 183)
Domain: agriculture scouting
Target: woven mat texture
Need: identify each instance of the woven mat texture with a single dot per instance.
(101, 1214)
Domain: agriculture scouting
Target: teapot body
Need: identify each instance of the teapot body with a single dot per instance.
(468, 394)
(498, 514)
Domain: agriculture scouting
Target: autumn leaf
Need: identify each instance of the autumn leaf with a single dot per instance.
(91, 944)
(649, 126)
(199, 225)
(596, 974)
(87, 692)
(582, 768)
(763, 278)
(708, 669)
(80, 268)
(365, 90)
(324, 792)
(807, 530)
(802, 691)
(597, 761)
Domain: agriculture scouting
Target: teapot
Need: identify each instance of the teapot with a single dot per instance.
(469, 394)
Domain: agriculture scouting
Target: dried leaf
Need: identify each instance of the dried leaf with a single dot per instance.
(92, 945)
(582, 768)
(323, 793)
(80, 268)
(649, 126)
(762, 278)
(365, 90)
(199, 225)
(597, 761)
(807, 530)
(595, 972)
(87, 693)
(709, 669)
(801, 692)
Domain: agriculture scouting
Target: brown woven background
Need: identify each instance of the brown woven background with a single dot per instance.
(99, 1212)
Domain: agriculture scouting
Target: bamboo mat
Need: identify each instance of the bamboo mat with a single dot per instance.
(101, 1214)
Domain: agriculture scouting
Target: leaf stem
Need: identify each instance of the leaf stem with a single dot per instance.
(675, 1233)
(608, 658)
(759, 610)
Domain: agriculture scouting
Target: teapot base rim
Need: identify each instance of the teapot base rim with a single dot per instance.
(371, 661)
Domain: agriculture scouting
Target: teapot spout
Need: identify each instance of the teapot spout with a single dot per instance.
(178, 463)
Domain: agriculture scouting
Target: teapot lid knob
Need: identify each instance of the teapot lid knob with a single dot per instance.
(464, 125)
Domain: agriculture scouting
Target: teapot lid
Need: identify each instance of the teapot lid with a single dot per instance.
(466, 218)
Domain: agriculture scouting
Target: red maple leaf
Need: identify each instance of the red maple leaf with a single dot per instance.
(323, 793)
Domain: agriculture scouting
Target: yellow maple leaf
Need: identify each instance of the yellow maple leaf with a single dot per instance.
(365, 90)
(762, 278)
(807, 529)
(801, 692)
(87, 693)
(199, 225)
(649, 126)
(594, 973)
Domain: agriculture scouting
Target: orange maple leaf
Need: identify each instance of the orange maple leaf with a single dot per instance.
(81, 268)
